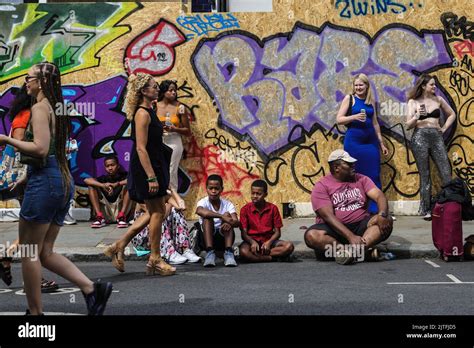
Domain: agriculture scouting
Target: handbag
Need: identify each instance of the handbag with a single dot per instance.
(10, 171)
(37, 162)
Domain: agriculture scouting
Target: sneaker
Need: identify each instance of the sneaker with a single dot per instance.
(177, 259)
(191, 256)
(121, 221)
(229, 260)
(98, 222)
(97, 300)
(344, 257)
(210, 260)
(69, 220)
(427, 217)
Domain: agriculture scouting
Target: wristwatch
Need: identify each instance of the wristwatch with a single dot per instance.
(383, 214)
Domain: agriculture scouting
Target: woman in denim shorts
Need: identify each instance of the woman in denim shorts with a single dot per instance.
(48, 192)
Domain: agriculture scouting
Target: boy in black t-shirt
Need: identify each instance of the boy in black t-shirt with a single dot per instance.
(109, 196)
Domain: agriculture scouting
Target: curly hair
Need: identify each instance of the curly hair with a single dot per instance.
(134, 94)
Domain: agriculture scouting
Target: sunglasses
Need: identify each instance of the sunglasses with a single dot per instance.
(29, 78)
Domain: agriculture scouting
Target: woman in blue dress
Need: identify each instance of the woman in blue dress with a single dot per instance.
(363, 138)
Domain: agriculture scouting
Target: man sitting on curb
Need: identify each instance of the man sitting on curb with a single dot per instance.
(344, 228)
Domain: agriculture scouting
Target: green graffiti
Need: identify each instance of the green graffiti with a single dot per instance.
(69, 35)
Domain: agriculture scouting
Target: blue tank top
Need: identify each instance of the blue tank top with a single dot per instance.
(356, 108)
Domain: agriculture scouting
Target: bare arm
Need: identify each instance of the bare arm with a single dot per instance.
(412, 116)
(94, 183)
(185, 128)
(341, 118)
(207, 214)
(142, 121)
(39, 147)
(377, 195)
(447, 111)
(375, 122)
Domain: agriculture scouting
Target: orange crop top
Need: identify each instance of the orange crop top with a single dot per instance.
(174, 118)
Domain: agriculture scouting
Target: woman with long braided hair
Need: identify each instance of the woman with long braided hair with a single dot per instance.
(48, 192)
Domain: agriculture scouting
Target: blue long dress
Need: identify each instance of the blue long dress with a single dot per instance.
(361, 142)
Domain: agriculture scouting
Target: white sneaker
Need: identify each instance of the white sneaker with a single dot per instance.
(191, 256)
(69, 220)
(177, 259)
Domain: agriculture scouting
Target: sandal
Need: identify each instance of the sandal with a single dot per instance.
(48, 286)
(6, 270)
(116, 255)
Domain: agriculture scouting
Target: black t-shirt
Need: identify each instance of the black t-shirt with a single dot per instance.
(119, 176)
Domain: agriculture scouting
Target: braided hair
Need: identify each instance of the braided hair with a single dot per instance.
(50, 81)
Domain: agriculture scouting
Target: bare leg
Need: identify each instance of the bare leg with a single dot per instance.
(282, 248)
(208, 232)
(157, 209)
(32, 236)
(94, 198)
(229, 237)
(60, 265)
(319, 241)
(372, 236)
(126, 203)
(138, 225)
(247, 255)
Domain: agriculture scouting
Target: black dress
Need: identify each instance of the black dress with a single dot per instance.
(160, 156)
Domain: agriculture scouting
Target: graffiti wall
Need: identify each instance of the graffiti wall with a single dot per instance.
(263, 88)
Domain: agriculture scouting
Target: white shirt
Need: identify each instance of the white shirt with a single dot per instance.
(225, 207)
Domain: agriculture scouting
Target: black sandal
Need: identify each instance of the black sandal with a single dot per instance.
(48, 286)
(6, 271)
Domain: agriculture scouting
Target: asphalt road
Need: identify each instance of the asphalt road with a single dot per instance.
(302, 288)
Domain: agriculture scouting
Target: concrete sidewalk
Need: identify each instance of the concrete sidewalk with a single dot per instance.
(411, 238)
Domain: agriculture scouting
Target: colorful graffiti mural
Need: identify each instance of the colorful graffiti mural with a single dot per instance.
(153, 51)
(263, 89)
(300, 78)
(66, 35)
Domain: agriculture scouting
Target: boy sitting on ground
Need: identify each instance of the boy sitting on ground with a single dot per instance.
(261, 229)
(218, 219)
(109, 196)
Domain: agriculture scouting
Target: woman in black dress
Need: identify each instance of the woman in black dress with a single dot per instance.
(148, 176)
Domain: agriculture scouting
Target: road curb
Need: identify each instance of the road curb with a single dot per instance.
(400, 253)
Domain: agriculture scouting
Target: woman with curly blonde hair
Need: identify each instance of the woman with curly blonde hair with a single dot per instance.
(148, 176)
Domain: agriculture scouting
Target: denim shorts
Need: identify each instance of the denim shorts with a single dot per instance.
(44, 200)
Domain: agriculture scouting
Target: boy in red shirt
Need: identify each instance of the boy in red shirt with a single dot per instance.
(261, 229)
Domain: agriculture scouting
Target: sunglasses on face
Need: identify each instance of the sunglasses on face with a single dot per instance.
(30, 78)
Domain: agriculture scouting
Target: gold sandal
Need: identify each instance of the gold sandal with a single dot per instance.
(116, 255)
(159, 266)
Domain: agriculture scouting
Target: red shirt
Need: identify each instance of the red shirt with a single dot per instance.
(260, 225)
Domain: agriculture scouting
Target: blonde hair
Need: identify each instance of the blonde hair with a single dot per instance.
(134, 93)
(369, 99)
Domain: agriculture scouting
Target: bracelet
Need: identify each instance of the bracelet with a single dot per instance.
(152, 179)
